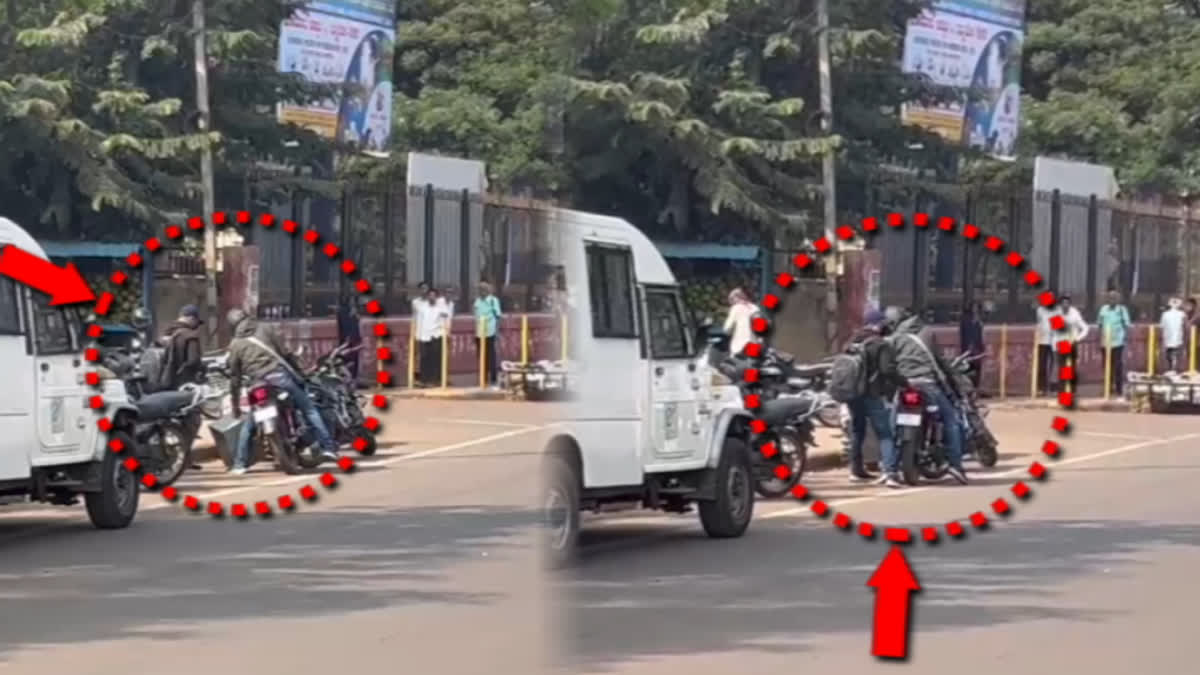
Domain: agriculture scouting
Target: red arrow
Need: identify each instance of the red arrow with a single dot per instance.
(894, 584)
(64, 285)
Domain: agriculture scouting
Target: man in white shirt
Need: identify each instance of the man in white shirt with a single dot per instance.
(434, 317)
(1075, 329)
(418, 304)
(1174, 326)
(1044, 337)
(738, 323)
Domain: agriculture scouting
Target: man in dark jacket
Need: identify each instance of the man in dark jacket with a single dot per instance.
(349, 333)
(918, 362)
(184, 359)
(879, 364)
(257, 353)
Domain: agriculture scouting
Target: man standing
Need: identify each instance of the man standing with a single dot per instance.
(432, 325)
(487, 320)
(184, 359)
(258, 354)
(1044, 335)
(970, 339)
(1174, 325)
(1114, 327)
(418, 304)
(1075, 329)
(871, 408)
(350, 333)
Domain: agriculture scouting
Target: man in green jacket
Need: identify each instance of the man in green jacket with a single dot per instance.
(257, 353)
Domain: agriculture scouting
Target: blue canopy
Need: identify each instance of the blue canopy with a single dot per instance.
(703, 251)
(88, 249)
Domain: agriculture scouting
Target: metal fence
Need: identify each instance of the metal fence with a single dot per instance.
(459, 239)
(1081, 245)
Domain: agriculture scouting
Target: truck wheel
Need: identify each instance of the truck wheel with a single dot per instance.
(728, 515)
(116, 503)
(560, 504)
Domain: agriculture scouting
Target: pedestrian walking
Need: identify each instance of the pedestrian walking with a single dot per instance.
(739, 321)
(487, 321)
(1075, 329)
(970, 340)
(1114, 323)
(878, 380)
(1173, 324)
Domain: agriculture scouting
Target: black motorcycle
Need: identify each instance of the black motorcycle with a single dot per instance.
(282, 433)
(792, 400)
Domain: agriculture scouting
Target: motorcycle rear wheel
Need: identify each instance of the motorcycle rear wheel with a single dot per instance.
(176, 457)
(794, 455)
(286, 460)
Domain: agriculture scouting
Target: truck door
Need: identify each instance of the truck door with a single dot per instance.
(59, 372)
(674, 385)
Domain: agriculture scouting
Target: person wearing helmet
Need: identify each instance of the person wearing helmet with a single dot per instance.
(257, 353)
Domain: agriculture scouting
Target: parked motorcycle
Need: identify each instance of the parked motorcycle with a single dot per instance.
(793, 399)
(919, 434)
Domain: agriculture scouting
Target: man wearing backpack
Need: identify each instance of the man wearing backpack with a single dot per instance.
(257, 353)
(867, 378)
(919, 364)
(184, 359)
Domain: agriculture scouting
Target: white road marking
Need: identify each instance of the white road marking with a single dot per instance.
(1006, 474)
(292, 480)
(1127, 437)
(480, 423)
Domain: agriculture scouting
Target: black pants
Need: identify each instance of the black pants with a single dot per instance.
(491, 364)
(1173, 357)
(1118, 369)
(1064, 360)
(1045, 363)
(431, 362)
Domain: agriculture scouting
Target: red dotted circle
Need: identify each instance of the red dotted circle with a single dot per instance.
(285, 502)
(1020, 490)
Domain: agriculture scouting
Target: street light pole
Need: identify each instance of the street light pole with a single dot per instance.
(200, 58)
(828, 176)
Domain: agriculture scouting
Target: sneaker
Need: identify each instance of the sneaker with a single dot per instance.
(238, 470)
(893, 481)
(857, 477)
(330, 455)
(958, 475)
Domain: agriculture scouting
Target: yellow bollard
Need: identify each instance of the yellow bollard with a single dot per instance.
(1151, 348)
(1192, 352)
(446, 356)
(1033, 380)
(482, 354)
(563, 337)
(1004, 361)
(524, 339)
(412, 354)
(1108, 363)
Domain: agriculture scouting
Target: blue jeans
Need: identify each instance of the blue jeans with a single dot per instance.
(872, 410)
(952, 429)
(299, 399)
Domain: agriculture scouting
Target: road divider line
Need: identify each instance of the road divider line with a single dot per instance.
(480, 423)
(292, 480)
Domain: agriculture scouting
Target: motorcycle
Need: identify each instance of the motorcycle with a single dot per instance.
(282, 433)
(793, 397)
(919, 434)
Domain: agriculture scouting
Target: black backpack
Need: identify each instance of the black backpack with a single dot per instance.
(848, 374)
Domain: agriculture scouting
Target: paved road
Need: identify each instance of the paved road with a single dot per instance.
(421, 561)
(1096, 573)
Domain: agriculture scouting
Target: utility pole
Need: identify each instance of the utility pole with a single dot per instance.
(828, 177)
(203, 122)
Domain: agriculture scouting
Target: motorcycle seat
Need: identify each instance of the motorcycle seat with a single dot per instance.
(162, 404)
(810, 370)
(780, 410)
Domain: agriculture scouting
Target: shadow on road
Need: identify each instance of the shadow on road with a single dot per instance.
(163, 576)
(784, 586)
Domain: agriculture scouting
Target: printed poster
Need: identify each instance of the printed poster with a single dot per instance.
(974, 46)
(349, 43)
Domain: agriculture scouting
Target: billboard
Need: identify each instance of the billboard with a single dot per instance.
(349, 43)
(973, 45)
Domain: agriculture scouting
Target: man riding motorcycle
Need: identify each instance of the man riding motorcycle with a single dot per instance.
(257, 352)
(918, 362)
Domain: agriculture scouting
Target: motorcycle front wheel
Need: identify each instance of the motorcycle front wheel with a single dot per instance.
(175, 453)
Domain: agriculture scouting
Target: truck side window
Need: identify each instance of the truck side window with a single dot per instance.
(610, 287)
(10, 311)
(664, 318)
(51, 328)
